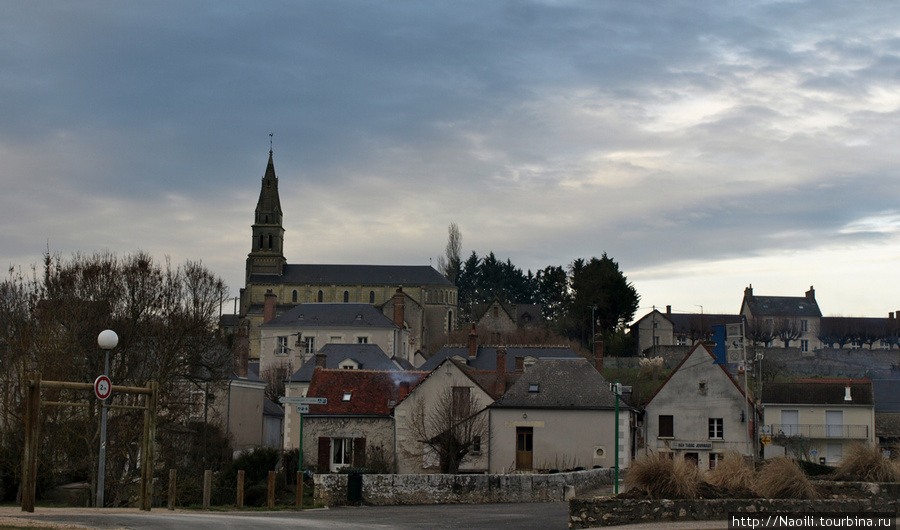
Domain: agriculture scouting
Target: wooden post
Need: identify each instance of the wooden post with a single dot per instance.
(32, 415)
(240, 489)
(271, 501)
(207, 488)
(147, 446)
(172, 475)
(300, 489)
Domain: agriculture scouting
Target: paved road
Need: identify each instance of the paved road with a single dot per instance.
(543, 516)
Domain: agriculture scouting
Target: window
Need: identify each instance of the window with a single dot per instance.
(309, 345)
(804, 326)
(655, 340)
(476, 444)
(681, 340)
(346, 296)
(804, 345)
(371, 297)
(714, 459)
(716, 428)
(294, 296)
(282, 348)
(335, 339)
(701, 387)
(534, 388)
(341, 451)
(320, 297)
(362, 340)
(347, 396)
(666, 426)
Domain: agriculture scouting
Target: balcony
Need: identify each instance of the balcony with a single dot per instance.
(818, 430)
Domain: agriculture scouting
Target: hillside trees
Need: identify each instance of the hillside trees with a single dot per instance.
(166, 320)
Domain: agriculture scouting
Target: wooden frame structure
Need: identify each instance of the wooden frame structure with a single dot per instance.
(33, 403)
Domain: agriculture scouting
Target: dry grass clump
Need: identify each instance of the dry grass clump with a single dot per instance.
(662, 477)
(782, 478)
(733, 472)
(866, 462)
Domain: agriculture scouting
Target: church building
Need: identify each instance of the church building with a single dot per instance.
(428, 299)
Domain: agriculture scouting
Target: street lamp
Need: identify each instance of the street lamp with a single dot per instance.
(107, 340)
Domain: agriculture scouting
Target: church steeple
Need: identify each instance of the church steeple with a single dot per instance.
(267, 248)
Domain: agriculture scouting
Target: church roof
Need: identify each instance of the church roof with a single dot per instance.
(357, 275)
(315, 315)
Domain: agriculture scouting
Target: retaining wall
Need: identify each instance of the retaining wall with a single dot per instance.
(851, 497)
(382, 490)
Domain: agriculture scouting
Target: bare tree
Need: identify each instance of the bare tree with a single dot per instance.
(760, 332)
(452, 429)
(786, 330)
(274, 376)
(450, 263)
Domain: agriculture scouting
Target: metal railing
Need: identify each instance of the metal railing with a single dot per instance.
(818, 430)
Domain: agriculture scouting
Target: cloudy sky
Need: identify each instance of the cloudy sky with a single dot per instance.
(704, 146)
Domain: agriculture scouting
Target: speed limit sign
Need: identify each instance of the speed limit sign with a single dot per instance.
(102, 387)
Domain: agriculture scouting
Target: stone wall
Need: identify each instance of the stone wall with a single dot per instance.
(381, 490)
(849, 497)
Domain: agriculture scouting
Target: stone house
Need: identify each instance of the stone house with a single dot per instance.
(560, 414)
(355, 427)
(817, 419)
(294, 337)
(699, 412)
(782, 321)
(657, 329)
(452, 380)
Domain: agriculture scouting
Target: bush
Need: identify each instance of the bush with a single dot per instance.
(867, 463)
(782, 478)
(733, 472)
(662, 477)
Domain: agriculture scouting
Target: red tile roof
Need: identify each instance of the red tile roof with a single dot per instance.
(371, 391)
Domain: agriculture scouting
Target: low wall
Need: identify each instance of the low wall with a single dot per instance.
(381, 490)
(849, 497)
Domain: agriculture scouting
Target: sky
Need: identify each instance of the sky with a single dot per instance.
(705, 146)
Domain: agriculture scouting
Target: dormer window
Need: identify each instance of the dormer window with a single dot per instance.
(347, 396)
(534, 388)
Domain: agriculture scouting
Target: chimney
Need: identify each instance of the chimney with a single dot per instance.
(269, 307)
(598, 356)
(473, 343)
(668, 311)
(811, 294)
(398, 307)
(847, 396)
(891, 316)
(320, 360)
(748, 291)
(520, 363)
(500, 384)
(404, 390)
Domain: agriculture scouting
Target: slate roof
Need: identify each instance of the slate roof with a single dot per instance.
(887, 424)
(270, 408)
(886, 394)
(356, 275)
(685, 323)
(712, 366)
(486, 356)
(825, 392)
(318, 315)
(369, 357)
(562, 384)
(370, 392)
(782, 306)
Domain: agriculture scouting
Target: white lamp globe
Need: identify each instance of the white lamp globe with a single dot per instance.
(107, 339)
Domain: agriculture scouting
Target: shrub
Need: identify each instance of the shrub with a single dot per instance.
(867, 463)
(782, 478)
(662, 477)
(733, 472)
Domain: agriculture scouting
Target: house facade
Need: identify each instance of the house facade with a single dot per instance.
(817, 419)
(560, 414)
(699, 413)
(782, 321)
(295, 336)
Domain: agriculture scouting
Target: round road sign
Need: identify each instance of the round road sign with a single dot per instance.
(102, 387)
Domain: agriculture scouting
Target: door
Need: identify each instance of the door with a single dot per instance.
(834, 423)
(524, 451)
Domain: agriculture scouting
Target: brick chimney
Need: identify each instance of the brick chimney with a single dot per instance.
(500, 384)
(598, 356)
(404, 390)
(811, 294)
(320, 360)
(668, 311)
(269, 307)
(520, 363)
(748, 291)
(473, 343)
(398, 307)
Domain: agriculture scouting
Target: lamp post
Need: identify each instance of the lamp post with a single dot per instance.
(107, 340)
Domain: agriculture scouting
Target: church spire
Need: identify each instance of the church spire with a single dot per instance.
(267, 248)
